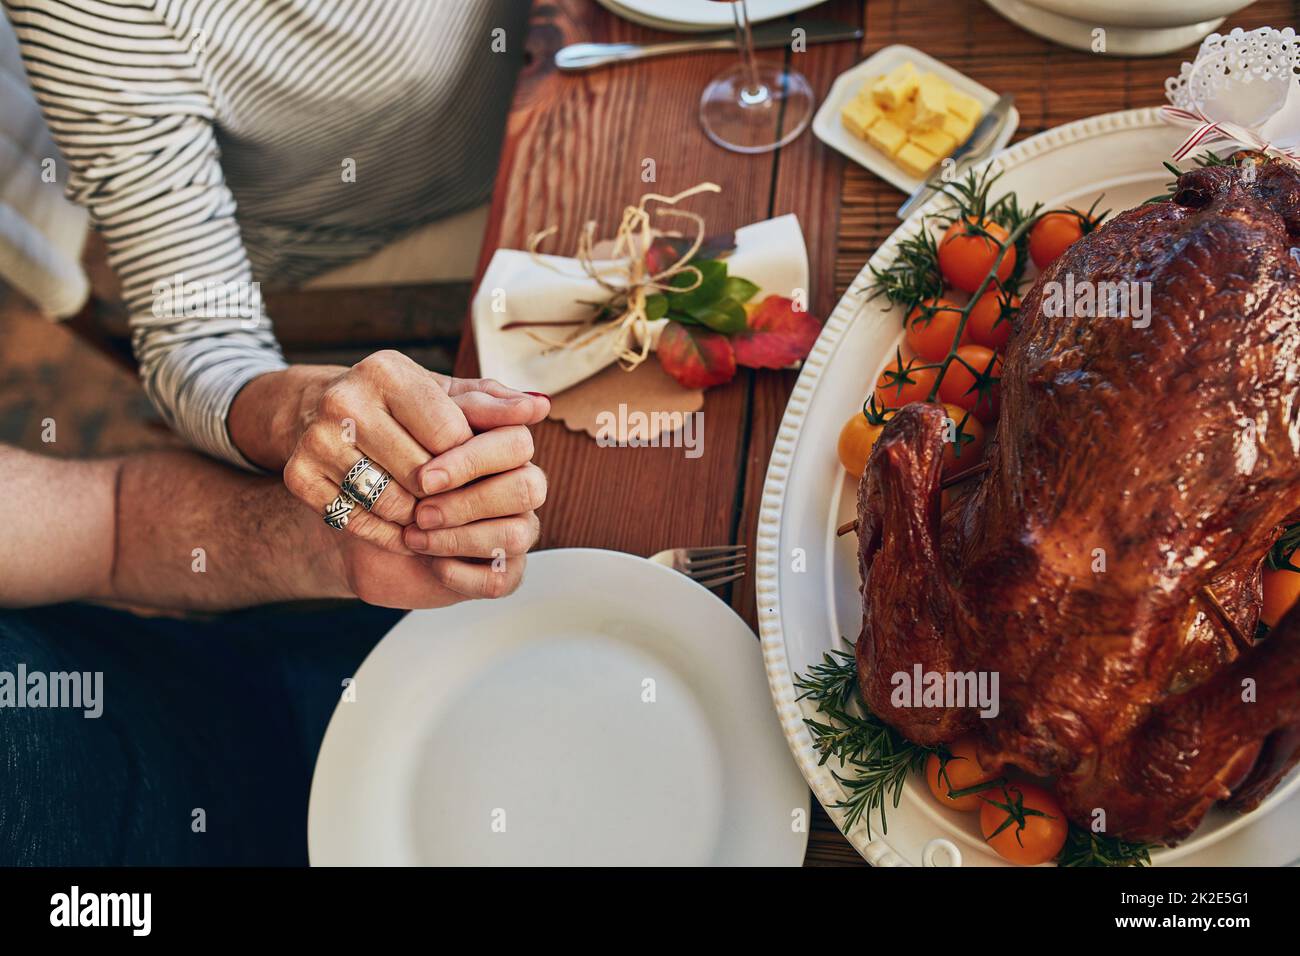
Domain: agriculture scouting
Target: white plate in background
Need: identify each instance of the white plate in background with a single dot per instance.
(805, 613)
(696, 16)
(830, 130)
(519, 732)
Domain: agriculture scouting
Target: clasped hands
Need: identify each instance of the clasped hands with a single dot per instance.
(460, 511)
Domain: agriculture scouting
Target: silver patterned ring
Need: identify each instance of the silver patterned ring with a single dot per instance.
(338, 511)
(365, 482)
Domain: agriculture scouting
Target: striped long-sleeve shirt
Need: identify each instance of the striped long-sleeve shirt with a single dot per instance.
(220, 144)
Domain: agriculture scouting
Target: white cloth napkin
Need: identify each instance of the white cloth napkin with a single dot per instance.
(517, 288)
(41, 232)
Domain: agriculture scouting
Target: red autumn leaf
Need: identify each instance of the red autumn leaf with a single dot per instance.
(697, 357)
(666, 250)
(776, 336)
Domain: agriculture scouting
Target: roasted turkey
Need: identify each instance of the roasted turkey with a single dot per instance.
(1107, 565)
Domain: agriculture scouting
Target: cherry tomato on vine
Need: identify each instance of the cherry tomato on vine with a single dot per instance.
(1024, 823)
(1281, 590)
(968, 250)
(961, 771)
(958, 385)
(931, 328)
(1053, 234)
(857, 438)
(966, 446)
(984, 325)
(901, 385)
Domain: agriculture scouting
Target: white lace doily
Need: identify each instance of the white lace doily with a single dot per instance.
(1242, 88)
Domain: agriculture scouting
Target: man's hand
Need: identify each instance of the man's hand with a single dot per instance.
(393, 580)
(176, 530)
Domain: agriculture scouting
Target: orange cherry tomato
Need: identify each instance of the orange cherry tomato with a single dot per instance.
(857, 438)
(984, 325)
(960, 771)
(968, 250)
(1024, 823)
(932, 327)
(1053, 234)
(967, 444)
(1281, 590)
(958, 385)
(901, 385)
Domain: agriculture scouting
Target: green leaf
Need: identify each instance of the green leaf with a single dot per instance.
(742, 290)
(656, 306)
(713, 276)
(725, 316)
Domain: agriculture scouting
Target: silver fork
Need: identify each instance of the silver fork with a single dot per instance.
(712, 567)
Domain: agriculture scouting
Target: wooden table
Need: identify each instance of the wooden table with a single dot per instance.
(574, 151)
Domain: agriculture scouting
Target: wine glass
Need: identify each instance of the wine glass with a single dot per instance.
(754, 107)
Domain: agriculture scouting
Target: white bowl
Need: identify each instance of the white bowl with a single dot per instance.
(1147, 28)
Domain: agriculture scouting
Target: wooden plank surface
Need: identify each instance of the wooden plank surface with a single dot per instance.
(574, 149)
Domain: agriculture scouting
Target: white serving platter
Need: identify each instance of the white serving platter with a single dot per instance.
(809, 606)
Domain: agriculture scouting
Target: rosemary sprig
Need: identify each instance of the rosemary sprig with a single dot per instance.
(1204, 160)
(876, 780)
(1085, 848)
(877, 758)
(913, 275)
(830, 684)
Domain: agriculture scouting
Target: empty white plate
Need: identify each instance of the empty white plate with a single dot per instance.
(609, 712)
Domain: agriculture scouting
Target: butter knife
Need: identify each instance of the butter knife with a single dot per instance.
(588, 56)
(976, 147)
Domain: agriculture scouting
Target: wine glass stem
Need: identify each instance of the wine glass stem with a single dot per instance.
(754, 92)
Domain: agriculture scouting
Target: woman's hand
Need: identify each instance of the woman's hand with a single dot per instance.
(488, 518)
(471, 538)
(403, 418)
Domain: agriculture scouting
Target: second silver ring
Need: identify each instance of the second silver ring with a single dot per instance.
(365, 482)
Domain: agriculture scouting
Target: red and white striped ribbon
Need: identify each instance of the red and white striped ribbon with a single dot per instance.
(1208, 131)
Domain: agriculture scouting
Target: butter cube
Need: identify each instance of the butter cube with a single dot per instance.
(957, 128)
(896, 87)
(858, 116)
(933, 141)
(964, 106)
(886, 136)
(931, 102)
(865, 92)
(914, 160)
(903, 116)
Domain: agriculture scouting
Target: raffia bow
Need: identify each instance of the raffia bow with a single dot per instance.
(627, 277)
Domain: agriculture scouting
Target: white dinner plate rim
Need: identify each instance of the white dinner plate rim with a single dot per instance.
(636, 15)
(329, 762)
(874, 849)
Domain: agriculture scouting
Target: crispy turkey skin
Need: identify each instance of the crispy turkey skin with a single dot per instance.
(1135, 464)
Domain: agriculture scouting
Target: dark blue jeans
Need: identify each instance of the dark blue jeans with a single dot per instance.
(221, 716)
